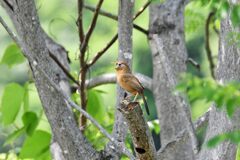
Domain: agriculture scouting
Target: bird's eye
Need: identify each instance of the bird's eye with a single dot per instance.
(119, 64)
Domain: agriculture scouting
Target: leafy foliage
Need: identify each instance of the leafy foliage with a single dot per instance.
(36, 145)
(12, 56)
(105, 117)
(30, 121)
(11, 102)
(95, 106)
(234, 137)
(154, 125)
(225, 96)
(37, 142)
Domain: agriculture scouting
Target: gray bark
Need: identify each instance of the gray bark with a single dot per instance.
(125, 25)
(166, 38)
(228, 69)
(36, 47)
(141, 136)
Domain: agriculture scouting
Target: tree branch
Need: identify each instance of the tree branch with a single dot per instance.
(115, 17)
(11, 34)
(34, 47)
(141, 136)
(117, 144)
(207, 44)
(91, 28)
(63, 68)
(100, 53)
(68, 100)
(194, 63)
(84, 66)
(141, 10)
(111, 78)
(80, 20)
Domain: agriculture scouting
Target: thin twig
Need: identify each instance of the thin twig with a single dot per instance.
(83, 64)
(119, 145)
(63, 68)
(102, 12)
(141, 10)
(80, 20)
(207, 44)
(11, 34)
(91, 28)
(115, 17)
(100, 53)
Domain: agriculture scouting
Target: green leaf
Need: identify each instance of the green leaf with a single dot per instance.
(11, 102)
(95, 106)
(235, 15)
(216, 140)
(12, 56)
(156, 126)
(234, 136)
(238, 153)
(30, 121)
(36, 145)
(230, 107)
(14, 136)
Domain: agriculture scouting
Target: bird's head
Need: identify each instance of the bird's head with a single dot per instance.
(122, 66)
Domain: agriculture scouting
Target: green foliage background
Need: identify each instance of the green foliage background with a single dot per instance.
(24, 129)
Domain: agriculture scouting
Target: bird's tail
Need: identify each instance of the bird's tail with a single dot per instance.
(145, 104)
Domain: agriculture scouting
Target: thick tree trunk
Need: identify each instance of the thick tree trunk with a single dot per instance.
(37, 46)
(166, 38)
(228, 69)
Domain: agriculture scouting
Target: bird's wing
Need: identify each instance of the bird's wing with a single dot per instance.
(132, 81)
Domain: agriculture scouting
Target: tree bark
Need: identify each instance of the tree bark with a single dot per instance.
(141, 135)
(167, 42)
(228, 69)
(125, 26)
(33, 41)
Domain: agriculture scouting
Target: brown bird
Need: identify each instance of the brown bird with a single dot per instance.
(129, 82)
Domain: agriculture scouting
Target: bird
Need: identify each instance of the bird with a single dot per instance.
(129, 82)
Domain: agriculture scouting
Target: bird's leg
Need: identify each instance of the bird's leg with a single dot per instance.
(135, 97)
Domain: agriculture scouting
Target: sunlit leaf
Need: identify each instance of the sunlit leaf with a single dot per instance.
(36, 145)
(12, 56)
(11, 102)
(238, 152)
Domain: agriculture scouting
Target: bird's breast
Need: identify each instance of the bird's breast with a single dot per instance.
(125, 85)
